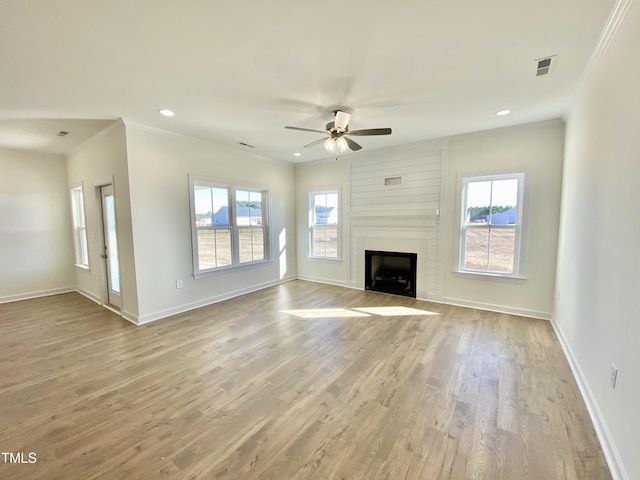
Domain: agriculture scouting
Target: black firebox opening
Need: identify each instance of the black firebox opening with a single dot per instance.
(390, 272)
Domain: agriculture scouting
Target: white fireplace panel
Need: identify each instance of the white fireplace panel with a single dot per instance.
(399, 216)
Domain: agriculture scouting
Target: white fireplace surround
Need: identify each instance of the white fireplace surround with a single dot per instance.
(402, 215)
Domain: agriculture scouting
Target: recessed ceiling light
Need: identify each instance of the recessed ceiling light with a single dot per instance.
(166, 112)
(502, 113)
(297, 154)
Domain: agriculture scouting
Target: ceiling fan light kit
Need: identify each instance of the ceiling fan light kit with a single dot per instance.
(335, 145)
(338, 131)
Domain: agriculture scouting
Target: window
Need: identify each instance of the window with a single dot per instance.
(250, 225)
(229, 226)
(79, 228)
(491, 224)
(323, 224)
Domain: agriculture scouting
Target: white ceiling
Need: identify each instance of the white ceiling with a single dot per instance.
(239, 71)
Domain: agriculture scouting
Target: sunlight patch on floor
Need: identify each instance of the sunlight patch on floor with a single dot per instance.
(356, 312)
(394, 311)
(325, 312)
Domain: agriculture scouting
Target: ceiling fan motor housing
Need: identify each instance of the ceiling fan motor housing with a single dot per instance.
(331, 128)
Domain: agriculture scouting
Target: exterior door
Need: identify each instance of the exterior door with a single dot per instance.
(110, 253)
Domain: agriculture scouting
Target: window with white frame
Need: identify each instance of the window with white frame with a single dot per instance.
(80, 245)
(229, 225)
(491, 224)
(324, 232)
(250, 225)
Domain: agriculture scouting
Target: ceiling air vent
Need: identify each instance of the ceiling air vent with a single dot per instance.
(62, 133)
(544, 65)
(392, 181)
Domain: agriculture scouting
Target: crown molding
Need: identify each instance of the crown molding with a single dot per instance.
(116, 123)
(614, 21)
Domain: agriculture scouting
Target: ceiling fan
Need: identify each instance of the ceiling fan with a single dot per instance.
(338, 140)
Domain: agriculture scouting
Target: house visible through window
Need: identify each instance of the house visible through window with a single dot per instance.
(229, 225)
(79, 228)
(250, 225)
(491, 224)
(323, 224)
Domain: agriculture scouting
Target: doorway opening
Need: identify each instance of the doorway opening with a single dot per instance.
(110, 248)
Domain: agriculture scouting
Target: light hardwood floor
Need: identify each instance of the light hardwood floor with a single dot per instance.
(298, 381)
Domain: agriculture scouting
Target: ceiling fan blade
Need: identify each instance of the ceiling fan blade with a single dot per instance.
(315, 142)
(342, 120)
(370, 131)
(352, 145)
(305, 129)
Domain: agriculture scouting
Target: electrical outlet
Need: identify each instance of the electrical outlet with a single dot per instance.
(613, 376)
(178, 283)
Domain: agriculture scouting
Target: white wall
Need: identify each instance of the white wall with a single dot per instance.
(100, 161)
(159, 165)
(374, 216)
(36, 242)
(317, 176)
(598, 311)
(537, 150)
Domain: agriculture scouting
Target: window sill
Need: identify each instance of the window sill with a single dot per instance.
(496, 277)
(325, 259)
(230, 268)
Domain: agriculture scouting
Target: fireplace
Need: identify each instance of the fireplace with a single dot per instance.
(390, 272)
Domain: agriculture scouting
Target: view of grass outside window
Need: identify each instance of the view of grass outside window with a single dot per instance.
(79, 228)
(323, 224)
(491, 223)
(213, 231)
(230, 226)
(250, 225)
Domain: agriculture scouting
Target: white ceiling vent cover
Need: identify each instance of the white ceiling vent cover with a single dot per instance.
(544, 66)
(392, 181)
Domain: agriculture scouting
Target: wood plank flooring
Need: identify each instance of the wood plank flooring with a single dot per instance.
(298, 381)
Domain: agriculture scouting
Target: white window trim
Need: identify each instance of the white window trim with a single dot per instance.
(232, 187)
(79, 224)
(310, 224)
(520, 227)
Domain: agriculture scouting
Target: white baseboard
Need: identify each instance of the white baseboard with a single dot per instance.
(609, 449)
(127, 316)
(326, 281)
(152, 317)
(130, 317)
(58, 291)
(37, 294)
(141, 319)
(521, 312)
(89, 295)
